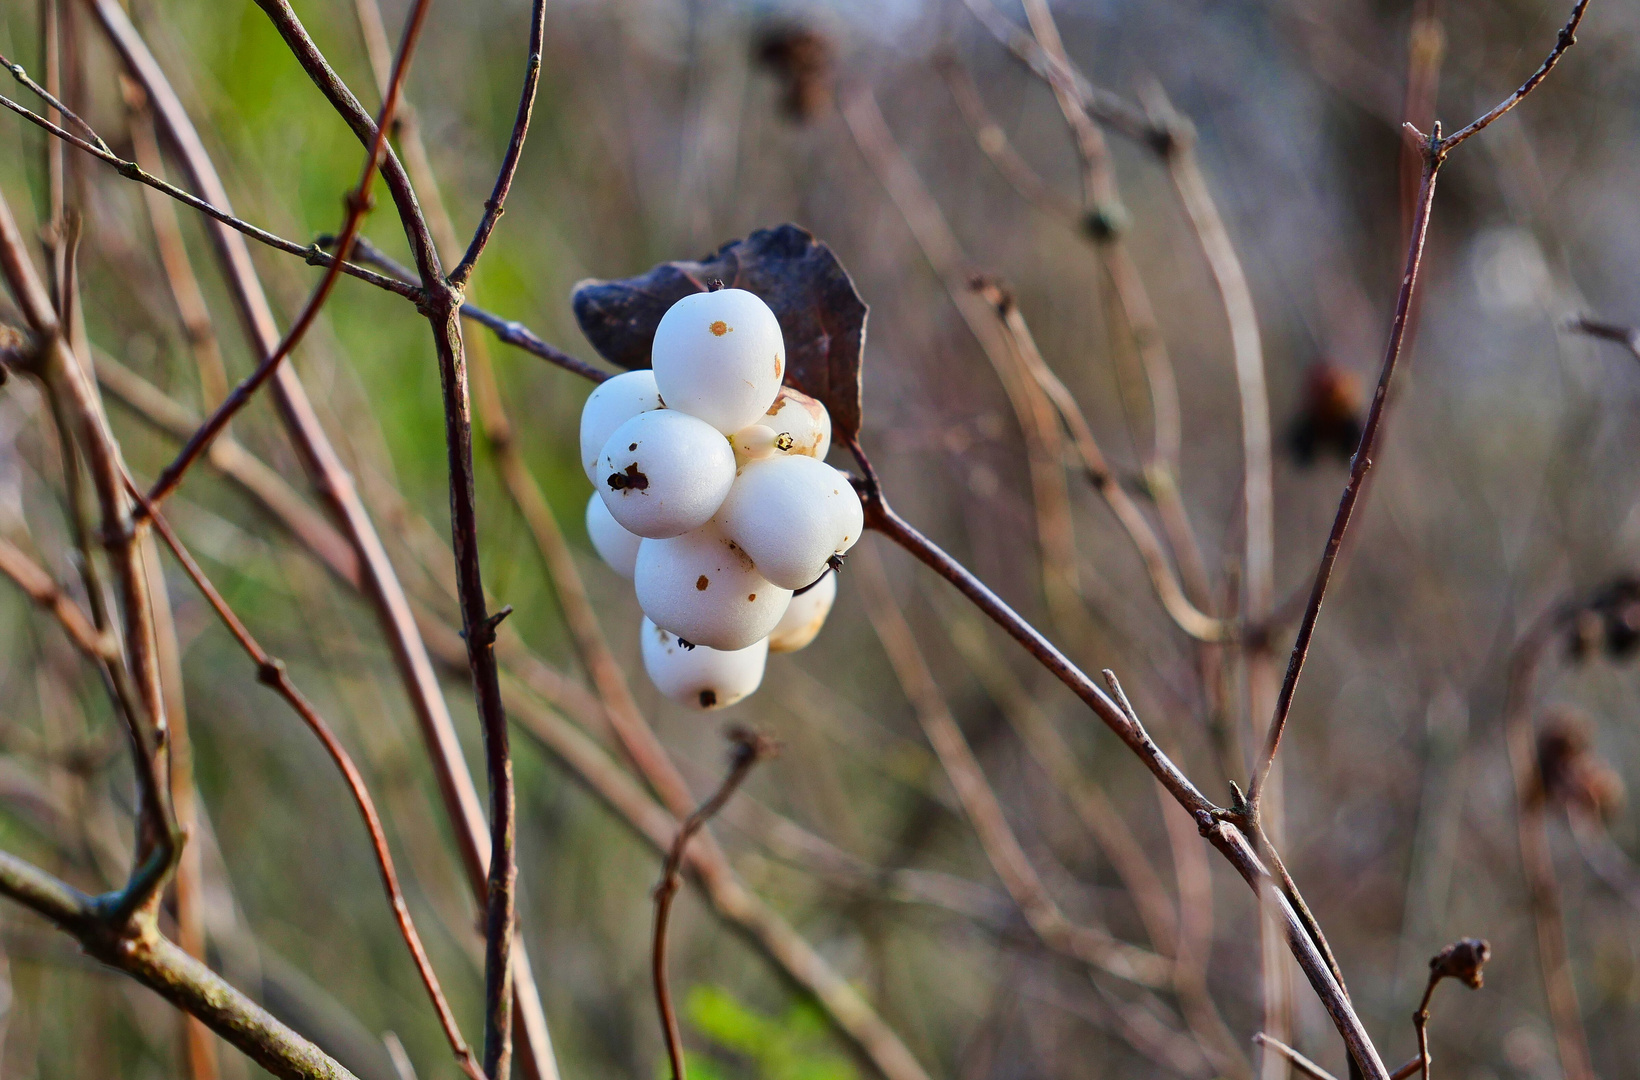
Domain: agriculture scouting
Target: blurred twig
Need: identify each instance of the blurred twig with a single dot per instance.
(1093, 946)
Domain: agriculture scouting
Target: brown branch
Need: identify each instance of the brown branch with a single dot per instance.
(1125, 724)
(1359, 466)
(1435, 150)
(1092, 946)
(1299, 1061)
(509, 331)
(131, 170)
(142, 706)
(359, 202)
(380, 584)
(160, 965)
(1536, 859)
(40, 587)
(51, 99)
(271, 673)
(494, 205)
(1565, 40)
(441, 304)
(1627, 336)
(880, 517)
(1463, 961)
(747, 750)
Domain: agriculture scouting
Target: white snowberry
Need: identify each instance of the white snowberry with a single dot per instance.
(664, 472)
(804, 617)
(612, 403)
(703, 588)
(719, 356)
(790, 514)
(614, 545)
(803, 419)
(701, 677)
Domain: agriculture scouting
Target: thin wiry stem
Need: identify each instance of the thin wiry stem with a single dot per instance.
(367, 559)
(748, 749)
(1565, 40)
(66, 381)
(1434, 153)
(133, 171)
(271, 672)
(441, 305)
(509, 331)
(40, 587)
(496, 203)
(1089, 945)
(1359, 466)
(51, 99)
(1627, 336)
(1299, 1061)
(358, 204)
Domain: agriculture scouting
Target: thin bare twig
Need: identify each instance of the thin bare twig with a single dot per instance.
(509, 331)
(1299, 1061)
(1359, 466)
(1536, 859)
(378, 581)
(40, 587)
(1434, 151)
(271, 673)
(1565, 40)
(359, 203)
(494, 205)
(748, 748)
(1627, 336)
(1089, 945)
(131, 170)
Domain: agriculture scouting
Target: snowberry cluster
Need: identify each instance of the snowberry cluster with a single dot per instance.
(713, 496)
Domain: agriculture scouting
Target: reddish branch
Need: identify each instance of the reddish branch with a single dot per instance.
(270, 672)
(359, 202)
(1435, 150)
(747, 750)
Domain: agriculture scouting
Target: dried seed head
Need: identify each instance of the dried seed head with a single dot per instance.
(1461, 960)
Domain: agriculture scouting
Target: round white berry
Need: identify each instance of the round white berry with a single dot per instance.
(804, 617)
(612, 403)
(754, 443)
(803, 419)
(703, 588)
(663, 473)
(719, 356)
(851, 515)
(614, 545)
(701, 677)
(790, 515)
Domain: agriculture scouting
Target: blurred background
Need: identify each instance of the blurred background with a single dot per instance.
(1505, 487)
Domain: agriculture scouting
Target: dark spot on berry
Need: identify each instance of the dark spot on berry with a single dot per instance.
(708, 698)
(701, 583)
(632, 446)
(630, 479)
(751, 597)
